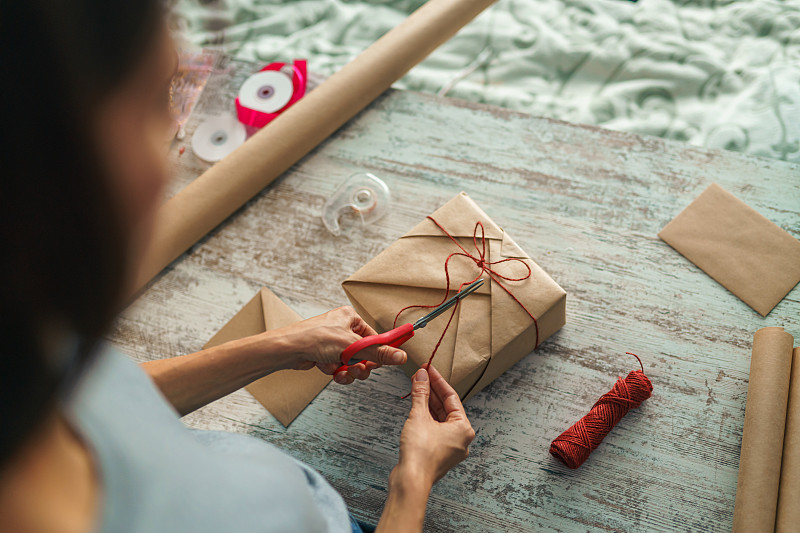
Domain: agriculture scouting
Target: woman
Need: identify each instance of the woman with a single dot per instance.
(90, 441)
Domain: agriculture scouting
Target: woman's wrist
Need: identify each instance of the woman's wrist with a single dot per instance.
(277, 351)
(408, 480)
(408, 497)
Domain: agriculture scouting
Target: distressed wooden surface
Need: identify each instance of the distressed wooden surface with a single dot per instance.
(586, 204)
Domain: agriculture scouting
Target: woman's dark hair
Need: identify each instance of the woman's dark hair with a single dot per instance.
(62, 240)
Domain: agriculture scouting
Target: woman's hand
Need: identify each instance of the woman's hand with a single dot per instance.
(321, 340)
(437, 434)
(436, 437)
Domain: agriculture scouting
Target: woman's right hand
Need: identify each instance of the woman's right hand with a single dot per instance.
(437, 434)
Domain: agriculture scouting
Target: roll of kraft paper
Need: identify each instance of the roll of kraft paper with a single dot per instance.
(217, 193)
(788, 518)
(762, 438)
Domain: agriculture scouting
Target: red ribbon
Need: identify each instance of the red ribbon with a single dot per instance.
(486, 268)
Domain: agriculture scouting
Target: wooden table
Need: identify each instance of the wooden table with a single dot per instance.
(586, 204)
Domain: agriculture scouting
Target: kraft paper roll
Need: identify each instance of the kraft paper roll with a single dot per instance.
(217, 193)
(788, 518)
(762, 438)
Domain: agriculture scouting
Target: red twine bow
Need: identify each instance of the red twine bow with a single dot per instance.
(486, 268)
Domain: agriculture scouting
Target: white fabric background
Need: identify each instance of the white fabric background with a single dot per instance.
(714, 73)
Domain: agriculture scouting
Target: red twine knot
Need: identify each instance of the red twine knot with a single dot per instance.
(575, 445)
(486, 267)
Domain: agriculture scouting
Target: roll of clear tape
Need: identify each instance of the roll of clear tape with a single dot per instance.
(360, 200)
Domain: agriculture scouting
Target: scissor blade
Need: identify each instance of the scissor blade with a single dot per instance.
(466, 291)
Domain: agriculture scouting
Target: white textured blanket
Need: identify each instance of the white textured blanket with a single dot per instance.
(713, 73)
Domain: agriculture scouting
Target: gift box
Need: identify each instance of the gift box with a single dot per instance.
(518, 307)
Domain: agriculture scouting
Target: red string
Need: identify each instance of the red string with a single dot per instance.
(486, 268)
(574, 445)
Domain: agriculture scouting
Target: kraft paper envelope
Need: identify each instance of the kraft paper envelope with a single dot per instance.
(749, 255)
(490, 331)
(284, 393)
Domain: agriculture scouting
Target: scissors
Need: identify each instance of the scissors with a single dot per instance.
(399, 335)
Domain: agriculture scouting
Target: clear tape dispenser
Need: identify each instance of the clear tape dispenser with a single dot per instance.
(362, 199)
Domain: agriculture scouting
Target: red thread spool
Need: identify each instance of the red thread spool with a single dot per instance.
(574, 445)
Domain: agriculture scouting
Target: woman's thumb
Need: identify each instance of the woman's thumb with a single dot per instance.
(420, 391)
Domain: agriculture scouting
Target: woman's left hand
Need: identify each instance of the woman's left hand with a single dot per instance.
(320, 341)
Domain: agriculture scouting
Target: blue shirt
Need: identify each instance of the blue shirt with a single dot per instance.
(159, 476)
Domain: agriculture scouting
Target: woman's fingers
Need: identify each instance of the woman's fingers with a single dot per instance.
(357, 329)
(359, 371)
(344, 377)
(436, 407)
(359, 326)
(434, 447)
(451, 403)
(344, 327)
(435, 403)
(384, 355)
(331, 369)
(420, 393)
(380, 354)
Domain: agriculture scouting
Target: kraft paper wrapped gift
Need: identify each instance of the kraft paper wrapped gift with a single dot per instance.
(490, 331)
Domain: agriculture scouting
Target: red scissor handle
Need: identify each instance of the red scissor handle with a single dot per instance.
(394, 337)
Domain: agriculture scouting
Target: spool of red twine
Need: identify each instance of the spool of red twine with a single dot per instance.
(575, 445)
